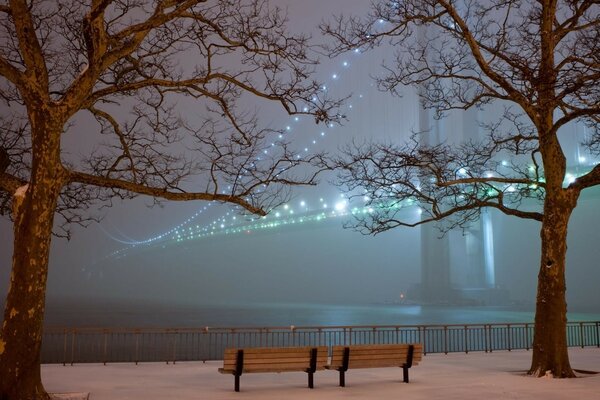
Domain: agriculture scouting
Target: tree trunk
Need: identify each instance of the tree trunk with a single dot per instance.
(550, 355)
(21, 337)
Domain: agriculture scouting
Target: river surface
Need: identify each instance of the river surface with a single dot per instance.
(144, 315)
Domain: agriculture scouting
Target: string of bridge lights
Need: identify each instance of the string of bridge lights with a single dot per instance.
(288, 214)
(230, 222)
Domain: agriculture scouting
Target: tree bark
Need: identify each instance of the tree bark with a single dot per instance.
(550, 351)
(21, 337)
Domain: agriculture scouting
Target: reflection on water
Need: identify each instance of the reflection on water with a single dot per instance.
(131, 314)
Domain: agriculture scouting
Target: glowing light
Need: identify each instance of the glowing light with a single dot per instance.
(334, 76)
(345, 63)
(302, 203)
(582, 159)
(570, 178)
(341, 205)
(462, 171)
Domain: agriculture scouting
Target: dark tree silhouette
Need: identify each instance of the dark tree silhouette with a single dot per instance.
(116, 77)
(540, 61)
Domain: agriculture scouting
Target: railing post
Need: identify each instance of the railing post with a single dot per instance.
(175, 340)
(581, 334)
(445, 339)
(105, 346)
(485, 337)
(73, 345)
(527, 336)
(65, 347)
(597, 335)
(466, 339)
(509, 336)
(137, 347)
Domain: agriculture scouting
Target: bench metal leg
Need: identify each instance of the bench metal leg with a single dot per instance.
(310, 380)
(237, 383)
(405, 374)
(342, 378)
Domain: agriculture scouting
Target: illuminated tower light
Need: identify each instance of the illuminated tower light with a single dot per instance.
(345, 63)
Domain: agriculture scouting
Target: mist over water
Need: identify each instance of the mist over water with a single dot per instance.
(133, 314)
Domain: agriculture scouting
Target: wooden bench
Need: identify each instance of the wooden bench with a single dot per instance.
(375, 356)
(274, 359)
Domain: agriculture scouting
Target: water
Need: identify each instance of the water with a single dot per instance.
(128, 314)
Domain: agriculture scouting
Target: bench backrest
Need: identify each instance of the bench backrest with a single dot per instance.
(266, 359)
(375, 355)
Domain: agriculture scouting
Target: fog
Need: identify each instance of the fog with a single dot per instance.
(316, 262)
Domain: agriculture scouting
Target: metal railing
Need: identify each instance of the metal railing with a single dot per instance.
(89, 345)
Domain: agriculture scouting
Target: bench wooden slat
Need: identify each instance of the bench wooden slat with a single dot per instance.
(267, 350)
(274, 359)
(374, 356)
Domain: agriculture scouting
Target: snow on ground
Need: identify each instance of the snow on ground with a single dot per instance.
(481, 376)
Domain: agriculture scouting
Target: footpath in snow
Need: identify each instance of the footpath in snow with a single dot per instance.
(473, 376)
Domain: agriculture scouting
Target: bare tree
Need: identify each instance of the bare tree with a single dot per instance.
(116, 76)
(539, 60)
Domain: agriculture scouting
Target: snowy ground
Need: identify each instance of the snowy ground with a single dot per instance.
(481, 376)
